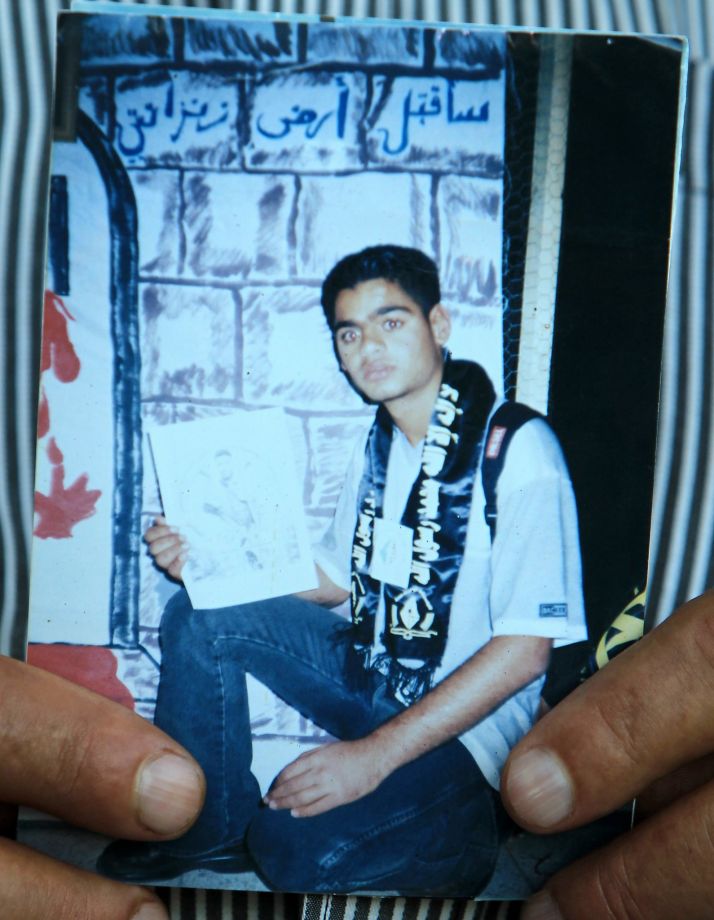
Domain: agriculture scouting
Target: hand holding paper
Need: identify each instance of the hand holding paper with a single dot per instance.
(167, 546)
(242, 515)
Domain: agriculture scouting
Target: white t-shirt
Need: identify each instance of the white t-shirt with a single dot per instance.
(527, 583)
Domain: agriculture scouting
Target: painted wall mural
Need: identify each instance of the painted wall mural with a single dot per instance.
(257, 155)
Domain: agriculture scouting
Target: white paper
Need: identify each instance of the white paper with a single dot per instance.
(230, 486)
(392, 556)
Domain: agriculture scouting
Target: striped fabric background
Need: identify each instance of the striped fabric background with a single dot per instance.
(682, 557)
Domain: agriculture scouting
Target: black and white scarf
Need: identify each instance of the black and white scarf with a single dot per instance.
(437, 511)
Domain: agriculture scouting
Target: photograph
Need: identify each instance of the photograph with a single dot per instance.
(350, 374)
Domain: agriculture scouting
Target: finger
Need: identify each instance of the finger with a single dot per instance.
(157, 531)
(176, 568)
(170, 556)
(660, 870)
(296, 795)
(673, 786)
(297, 768)
(322, 804)
(35, 887)
(162, 542)
(87, 760)
(620, 731)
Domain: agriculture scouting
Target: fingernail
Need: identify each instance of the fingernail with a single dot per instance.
(539, 788)
(540, 907)
(170, 794)
(150, 912)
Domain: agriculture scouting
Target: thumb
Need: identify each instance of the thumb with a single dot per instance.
(644, 717)
(78, 756)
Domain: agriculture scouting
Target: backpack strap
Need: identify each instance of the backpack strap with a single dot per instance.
(505, 422)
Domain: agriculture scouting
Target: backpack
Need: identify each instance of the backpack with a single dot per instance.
(505, 422)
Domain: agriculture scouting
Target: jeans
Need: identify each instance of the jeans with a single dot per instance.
(430, 828)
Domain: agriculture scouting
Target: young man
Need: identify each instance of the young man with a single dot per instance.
(439, 672)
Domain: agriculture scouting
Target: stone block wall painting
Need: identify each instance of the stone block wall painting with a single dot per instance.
(256, 154)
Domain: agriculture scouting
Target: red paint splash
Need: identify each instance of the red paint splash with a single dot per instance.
(57, 353)
(59, 511)
(43, 415)
(57, 350)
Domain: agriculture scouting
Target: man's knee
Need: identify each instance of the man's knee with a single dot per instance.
(177, 615)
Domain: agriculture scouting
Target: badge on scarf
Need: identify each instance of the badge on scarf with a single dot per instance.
(392, 553)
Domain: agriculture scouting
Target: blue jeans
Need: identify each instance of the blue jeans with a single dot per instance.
(430, 827)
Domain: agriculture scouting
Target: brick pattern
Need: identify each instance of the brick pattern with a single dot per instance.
(261, 153)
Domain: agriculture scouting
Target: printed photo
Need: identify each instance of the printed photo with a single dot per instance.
(350, 373)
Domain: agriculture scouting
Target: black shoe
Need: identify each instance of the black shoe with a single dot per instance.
(130, 861)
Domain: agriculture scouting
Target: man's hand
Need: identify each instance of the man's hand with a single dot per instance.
(167, 546)
(92, 763)
(642, 726)
(326, 777)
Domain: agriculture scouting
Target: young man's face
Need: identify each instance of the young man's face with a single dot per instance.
(385, 344)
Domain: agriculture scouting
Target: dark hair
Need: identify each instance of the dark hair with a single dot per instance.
(415, 273)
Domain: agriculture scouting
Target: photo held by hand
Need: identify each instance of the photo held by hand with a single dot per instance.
(356, 427)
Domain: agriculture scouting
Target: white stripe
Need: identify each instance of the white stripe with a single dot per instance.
(472, 909)
(695, 29)
(350, 907)
(409, 9)
(669, 403)
(505, 13)
(359, 9)
(374, 905)
(645, 16)
(689, 401)
(602, 16)
(708, 16)
(670, 16)
(479, 12)
(701, 269)
(554, 18)
(580, 16)
(456, 11)
(623, 16)
(428, 10)
(399, 905)
(531, 13)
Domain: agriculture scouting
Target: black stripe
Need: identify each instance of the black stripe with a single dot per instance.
(362, 908)
(411, 909)
(435, 908)
(338, 907)
(14, 315)
(187, 904)
(386, 908)
(214, 905)
(312, 907)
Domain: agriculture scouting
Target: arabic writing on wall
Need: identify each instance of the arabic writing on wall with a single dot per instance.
(311, 119)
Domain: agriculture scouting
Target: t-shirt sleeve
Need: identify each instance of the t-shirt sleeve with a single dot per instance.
(333, 552)
(536, 574)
